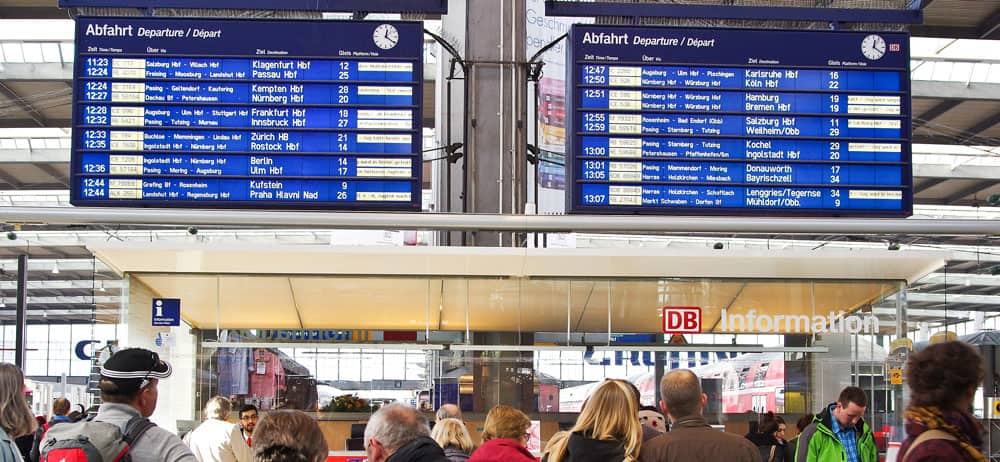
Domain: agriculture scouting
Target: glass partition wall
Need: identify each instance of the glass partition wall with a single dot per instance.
(783, 346)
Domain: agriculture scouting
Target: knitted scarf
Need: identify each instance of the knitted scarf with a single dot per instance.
(932, 418)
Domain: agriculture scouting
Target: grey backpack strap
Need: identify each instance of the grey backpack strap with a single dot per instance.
(134, 429)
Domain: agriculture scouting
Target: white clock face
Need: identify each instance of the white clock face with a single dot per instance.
(386, 36)
(873, 47)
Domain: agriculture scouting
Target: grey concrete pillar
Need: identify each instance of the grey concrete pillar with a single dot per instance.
(490, 34)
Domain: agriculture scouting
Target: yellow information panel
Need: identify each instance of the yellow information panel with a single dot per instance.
(896, 376)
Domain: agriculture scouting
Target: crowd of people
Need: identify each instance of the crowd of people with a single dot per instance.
(611, 427)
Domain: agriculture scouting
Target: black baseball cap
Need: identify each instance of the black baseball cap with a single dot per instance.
(130, 369)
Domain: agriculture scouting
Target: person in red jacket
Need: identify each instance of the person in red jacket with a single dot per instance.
(943, 379)
(505, 434)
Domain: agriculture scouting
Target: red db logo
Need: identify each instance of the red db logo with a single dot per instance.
(681, 320)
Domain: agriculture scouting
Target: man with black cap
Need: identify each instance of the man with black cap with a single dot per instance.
(128, 389)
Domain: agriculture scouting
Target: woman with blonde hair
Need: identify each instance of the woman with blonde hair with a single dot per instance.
(607, 430)
(505, 434)
(15, 415)
(454, 438)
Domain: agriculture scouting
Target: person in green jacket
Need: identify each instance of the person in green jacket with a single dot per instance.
(839, 434)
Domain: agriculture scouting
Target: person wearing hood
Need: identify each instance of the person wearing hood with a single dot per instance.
(766, 439)
(606, 430)
(505, 434)
(398, 433)
(943, 379)
(454, 438)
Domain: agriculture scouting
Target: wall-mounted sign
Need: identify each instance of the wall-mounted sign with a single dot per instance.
(681, 320)
(166, 312)
(896, 376)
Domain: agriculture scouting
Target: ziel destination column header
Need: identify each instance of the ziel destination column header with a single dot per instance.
(737, 121)
(230, 113)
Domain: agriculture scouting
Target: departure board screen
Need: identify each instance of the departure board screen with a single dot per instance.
(233, 113)
(736, 121)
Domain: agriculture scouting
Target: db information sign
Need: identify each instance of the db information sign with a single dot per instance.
(681, 320)
(166, 312)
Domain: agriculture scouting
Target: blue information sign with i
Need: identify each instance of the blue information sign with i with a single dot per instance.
(735, 121)
(236, 113)
(166, 312)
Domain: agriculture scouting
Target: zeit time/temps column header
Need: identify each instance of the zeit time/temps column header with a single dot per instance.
(227, 113)
(706, 121)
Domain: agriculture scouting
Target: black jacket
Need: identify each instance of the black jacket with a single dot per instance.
(583, 449)
(764, 444)
(455, 455)
(419, 450)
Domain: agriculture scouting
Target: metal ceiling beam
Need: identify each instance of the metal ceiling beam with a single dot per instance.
(22, 123)
(66, 284)
(935, 111)
(961, 172)
(492, 222)
(980, 127)
(951, 298)
(50, 169)
(763, 13)
(84, 300)
(971, 189)
(935, 139)
(936, 89)
(936, 31)
(70, 264)
(24, 105)
(37, 72)
(990, 28)
(928, 184)
(34, 156)
(920, 313)
(10, 180)
(32, 12)
(960, 279)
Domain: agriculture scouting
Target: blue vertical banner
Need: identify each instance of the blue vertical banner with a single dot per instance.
(166, 312)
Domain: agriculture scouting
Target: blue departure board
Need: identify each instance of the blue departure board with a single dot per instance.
(235, 113)
(735, 121)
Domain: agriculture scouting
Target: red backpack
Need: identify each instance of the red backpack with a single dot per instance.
(91, 441)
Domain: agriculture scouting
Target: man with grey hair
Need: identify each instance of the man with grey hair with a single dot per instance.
(690, 437)
(216, 439)
(448, 411)
(398, 433)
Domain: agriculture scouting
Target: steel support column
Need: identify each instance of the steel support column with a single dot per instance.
(496, 92)
(21, 317)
